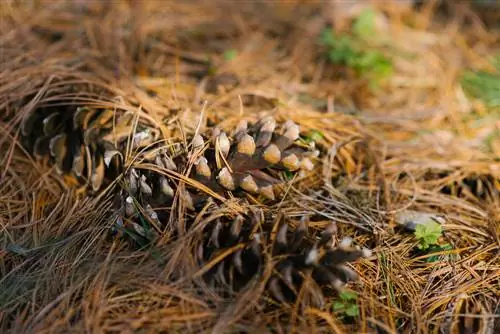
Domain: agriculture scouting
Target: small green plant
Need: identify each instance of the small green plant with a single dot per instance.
(428, 234)
(437, 249)
(353, 50)
(347, 304)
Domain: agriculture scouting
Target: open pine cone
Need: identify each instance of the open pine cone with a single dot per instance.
(79, 141)
(299, 259)
(247, 163)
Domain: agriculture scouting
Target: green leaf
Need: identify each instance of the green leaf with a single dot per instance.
(328, 37)
(347, 295)
(347, 304)
(436, 249)
(230, 54)
(340, 47)
(428, 234)
(373, 62)
(338, 306)
(352, 310)
(482, 85)
(364, 26)
(314, 136)
(288, 175)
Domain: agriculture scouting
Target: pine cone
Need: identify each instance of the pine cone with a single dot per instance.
(248, 164)
(86, 143)
(298, 259)
(467, 315)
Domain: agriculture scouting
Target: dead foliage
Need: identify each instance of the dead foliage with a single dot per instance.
(416, 142)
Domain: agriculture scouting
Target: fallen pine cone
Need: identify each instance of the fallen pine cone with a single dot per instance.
(91, 145)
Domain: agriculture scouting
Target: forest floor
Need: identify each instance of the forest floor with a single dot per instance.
(404, 100)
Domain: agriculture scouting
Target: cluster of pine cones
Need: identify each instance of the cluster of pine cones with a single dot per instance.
(95, 145)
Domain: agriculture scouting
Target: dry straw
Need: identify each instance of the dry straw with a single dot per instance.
(410, 145)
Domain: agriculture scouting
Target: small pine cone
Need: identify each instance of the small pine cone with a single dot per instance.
(296, 257)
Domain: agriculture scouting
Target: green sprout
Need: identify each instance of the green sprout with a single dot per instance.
(428, 234)
(347, 304)
(354, 52)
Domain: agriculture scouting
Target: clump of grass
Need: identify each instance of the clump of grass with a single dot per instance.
(354, 51)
